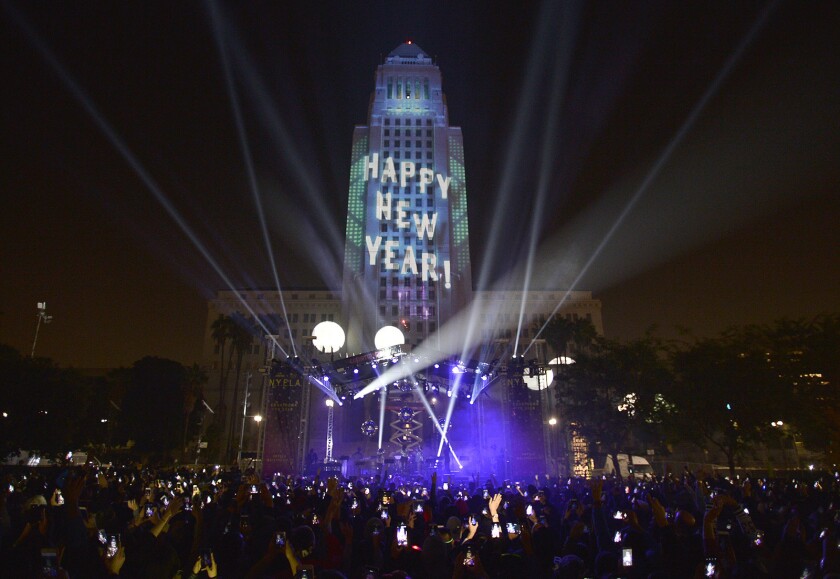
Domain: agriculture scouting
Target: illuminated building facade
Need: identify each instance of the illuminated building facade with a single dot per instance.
(406, 264)
(407, 238)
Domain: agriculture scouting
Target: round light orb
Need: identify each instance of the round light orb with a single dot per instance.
(258, 418)
(369, 428)
(538, 382)
(552, 421)
(329, 337)
(388, 336)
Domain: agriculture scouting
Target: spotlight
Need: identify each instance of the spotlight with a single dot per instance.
(329, 402)
(437, 365)
(355, 370)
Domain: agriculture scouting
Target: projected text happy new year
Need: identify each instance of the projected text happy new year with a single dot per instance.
(390, 209)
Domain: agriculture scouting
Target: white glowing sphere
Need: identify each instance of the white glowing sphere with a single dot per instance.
(546, 380)
(388, 336)
(539, 382)
(329, 337)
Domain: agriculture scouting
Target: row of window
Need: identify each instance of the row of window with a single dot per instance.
(417, 133)
(383, 228)
(406, 282)
(418, 311)
(417, 144)
(398, 122)
(405, 295)
(417, 155)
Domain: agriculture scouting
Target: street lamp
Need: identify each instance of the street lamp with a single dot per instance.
(41, 317)
(258, 418)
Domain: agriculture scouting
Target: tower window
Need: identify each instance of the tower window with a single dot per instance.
(426, 88)
(390, 88)
(399, 93)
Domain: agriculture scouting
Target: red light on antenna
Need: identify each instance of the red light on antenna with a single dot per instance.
(409, 42)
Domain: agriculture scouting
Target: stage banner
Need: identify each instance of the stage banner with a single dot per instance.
(283, 421)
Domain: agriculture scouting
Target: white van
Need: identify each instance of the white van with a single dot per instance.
(639, 467)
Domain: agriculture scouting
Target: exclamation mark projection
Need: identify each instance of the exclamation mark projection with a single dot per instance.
(446, 283)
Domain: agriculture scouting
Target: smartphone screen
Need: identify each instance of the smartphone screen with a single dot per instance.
(496, 531)
(627, 557)
(446, 486)
(113, 546)
(49, 561)
(711, 567)
(206, 559)
(469, 558)
(280, 538)
(617, 537)
(402, 536)
(529, 510)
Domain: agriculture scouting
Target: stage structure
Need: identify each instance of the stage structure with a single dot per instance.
(406, 273)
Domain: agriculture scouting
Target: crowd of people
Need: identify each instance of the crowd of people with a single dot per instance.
(132, 522)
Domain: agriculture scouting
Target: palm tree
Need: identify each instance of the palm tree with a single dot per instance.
(560, 332)
(221, 332)
(193, 390)
(241, 338)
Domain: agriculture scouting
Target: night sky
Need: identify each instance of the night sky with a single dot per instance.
(716, 126)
